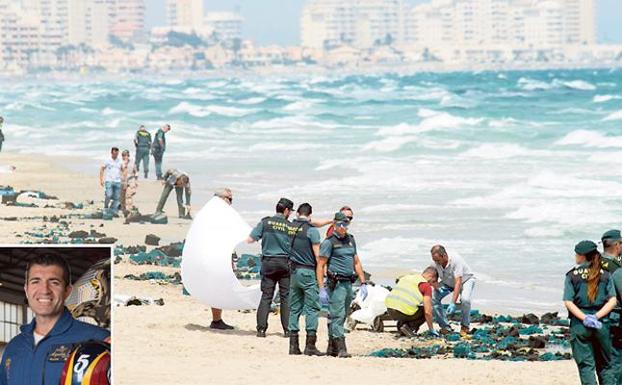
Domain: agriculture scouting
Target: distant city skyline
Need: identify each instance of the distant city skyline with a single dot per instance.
(260, 18)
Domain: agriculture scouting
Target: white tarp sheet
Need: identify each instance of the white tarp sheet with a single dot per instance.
(206, 261)
(373, 305)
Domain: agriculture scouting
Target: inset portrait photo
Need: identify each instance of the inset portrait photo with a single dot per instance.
(55, 315)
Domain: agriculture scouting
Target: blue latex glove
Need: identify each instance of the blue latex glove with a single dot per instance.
(323, 296)
(434, 333)
(451, 309)
(363, 290)
(592, 322)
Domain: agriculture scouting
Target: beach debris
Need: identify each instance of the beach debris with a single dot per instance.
(95, 234)
(152, 240)
(126, 300)
(530, 319)
(159, 219)
(154, 257)
(107, 240)
(173, 249)
(78, 234)
(537, 342)
(158, 276)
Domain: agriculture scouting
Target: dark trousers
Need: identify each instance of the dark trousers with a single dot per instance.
(157, 157)
(413, 321)
(142, 155)
(179, 191)
(274, 270)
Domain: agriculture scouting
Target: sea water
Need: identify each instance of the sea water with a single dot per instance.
(508, 169)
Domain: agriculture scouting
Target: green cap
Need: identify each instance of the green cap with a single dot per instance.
(585, 247)
(613, 235)
(341, 217)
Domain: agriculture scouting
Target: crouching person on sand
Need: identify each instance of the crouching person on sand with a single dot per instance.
(410, 302)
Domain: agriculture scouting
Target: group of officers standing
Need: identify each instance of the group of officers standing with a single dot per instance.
(294, 259)
(593, 295)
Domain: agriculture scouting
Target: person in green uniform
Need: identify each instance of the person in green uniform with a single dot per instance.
(303, 288)
(339, 252)
(275, 244)
(1, 134)
(589, 297)
(180, 181)
(616, 330)
(158, 147)
(142, 143)
(611, 262)
(612, 247)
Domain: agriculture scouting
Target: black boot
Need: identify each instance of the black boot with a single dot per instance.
(331, 350)
(294, 347)
(310, 349)
(342, 351)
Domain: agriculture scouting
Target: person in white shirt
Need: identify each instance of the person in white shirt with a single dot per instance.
(455, 277)
(110, 178)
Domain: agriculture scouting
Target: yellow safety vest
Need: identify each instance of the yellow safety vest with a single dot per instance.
(406, 296)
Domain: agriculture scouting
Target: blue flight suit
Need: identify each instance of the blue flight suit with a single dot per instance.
(23, 363)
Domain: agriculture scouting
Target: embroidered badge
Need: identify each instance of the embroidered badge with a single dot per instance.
(60, 353)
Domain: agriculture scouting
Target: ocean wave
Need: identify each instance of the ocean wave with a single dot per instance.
(231, 111)
(392, 208)
(529, 84)
(253, 100)
(294, 121)
(108, 111)
(580, 85)
(617, 115)
(389, 144)
(397, 251)
(190, 109)
(285, 147)
(604, 98)
(299, 105)
(498, 151)
(544, 232)
(432, 121)
(565, 213)
(590, 139)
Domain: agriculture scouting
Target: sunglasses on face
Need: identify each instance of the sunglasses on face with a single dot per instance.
(230, 199)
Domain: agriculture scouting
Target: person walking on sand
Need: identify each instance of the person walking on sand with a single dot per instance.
(457, 279)
(180, 181)
(304, 295)
(1, 134)
(142, 143)
(217, 323)
(589, 296)
(110, 179)
(275, 244)
(340, 254)
(128, 183)
(158, 148)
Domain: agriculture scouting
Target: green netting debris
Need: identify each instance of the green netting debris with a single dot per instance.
(154, 257)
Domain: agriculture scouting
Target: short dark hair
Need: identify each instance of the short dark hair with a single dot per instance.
(283, 204)
(305, 209)
(431, 270)
(50, 260)
(439, 249)
(608, 242)
(114, 149)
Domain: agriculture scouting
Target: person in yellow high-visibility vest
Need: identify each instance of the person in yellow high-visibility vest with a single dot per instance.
(410, 302)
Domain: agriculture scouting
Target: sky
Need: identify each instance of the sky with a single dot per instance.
(277, 21)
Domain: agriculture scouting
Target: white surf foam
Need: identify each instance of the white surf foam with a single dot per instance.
(498, 151)
(617, 115)
(587, 138)
(604, 98)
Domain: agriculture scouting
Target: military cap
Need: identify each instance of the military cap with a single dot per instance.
(585, 247)
(613, 235)
(286, 203)
(341, 217)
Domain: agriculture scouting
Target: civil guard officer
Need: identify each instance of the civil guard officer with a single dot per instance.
(611, 262)
(339, 252)
(304, 290)
(275, 244)
(589, 297)
(142, 143)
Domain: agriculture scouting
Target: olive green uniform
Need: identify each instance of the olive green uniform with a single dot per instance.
(304, 294)
(340, 253)
(275, 244)
(612, 265)
(142, 141)
(591, 348)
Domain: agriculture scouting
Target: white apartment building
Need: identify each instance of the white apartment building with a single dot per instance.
(448, 24)
(358, 23)
(226, 25)
(184, 13)
(88, 22)
(127, 19)
(19, 35)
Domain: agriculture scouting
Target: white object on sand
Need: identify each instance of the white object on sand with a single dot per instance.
(206, 261)
(373, 306)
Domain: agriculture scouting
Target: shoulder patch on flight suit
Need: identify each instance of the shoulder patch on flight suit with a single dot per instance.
(60, 353)
(7, 368)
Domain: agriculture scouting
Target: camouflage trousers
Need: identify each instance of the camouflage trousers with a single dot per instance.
(128, 190)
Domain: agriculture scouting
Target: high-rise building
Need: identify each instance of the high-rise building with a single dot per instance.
(185, 13)
(359, 23)
(19, 35)
(226, 25)
(127, 19)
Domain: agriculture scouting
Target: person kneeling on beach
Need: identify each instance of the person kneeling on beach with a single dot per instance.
(339, 252)
(303, 289)
(181, 182)
(589, 296)
(410, 302)
(37, 355)
(456, 278)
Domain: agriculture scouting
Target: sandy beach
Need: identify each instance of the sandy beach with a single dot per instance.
(173, 343)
